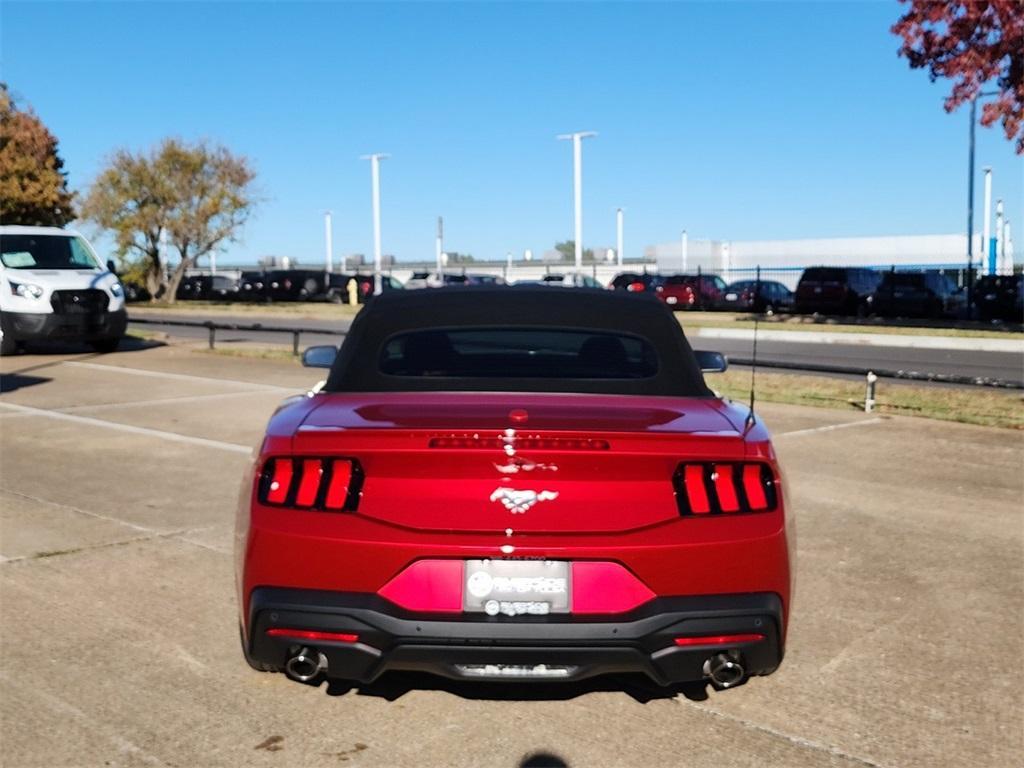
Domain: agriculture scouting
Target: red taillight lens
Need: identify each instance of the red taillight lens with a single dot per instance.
(752, 637)
(308, 634)
(724, 488)
(311, 483)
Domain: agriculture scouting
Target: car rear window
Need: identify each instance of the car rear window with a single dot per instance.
(514, 353)
(824, 275)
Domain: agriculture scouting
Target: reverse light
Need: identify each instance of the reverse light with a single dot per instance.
(311, 483)
(724, 487)
(26, 290)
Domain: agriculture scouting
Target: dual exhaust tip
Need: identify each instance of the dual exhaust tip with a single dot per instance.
(725, 670)
(306, 665)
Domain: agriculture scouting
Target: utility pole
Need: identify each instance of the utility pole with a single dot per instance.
(684, 248)
(577, 188)
(999, 237)
(618, 236)
(438, 248)
(329, 258)
(970, 195)
(375, 182)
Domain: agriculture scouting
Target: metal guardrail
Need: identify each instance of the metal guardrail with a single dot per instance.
(213, 327)
(940, 378)
(943, 378)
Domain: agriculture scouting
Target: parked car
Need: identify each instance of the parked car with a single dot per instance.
(296, 284)
(691, 291)
(998, 297)
(917, 294)
(571, 280)
(54, 286)
(835, 290)
(423, 280)
(253, 286)
(447, 502)
(208, 287)
(634, 282)
(764, 297)
(337, 289)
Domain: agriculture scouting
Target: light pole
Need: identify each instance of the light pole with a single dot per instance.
(577, 188)
(970, 196)
(438, 248)
(684, 248)
(375, 180)
(618, 236)
(986, 226)
(328, 257)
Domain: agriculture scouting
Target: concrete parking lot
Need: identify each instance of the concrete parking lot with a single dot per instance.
(118, 640)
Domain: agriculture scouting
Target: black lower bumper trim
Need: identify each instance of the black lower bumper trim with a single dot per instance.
(642, 641)
(88, 326)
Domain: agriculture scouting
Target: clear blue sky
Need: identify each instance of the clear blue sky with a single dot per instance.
(733, 120)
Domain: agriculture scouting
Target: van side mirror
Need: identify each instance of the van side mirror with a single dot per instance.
(711, 362)
(111, 266)
(319, 356)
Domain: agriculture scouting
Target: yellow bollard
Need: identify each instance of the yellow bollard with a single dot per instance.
(353, 291)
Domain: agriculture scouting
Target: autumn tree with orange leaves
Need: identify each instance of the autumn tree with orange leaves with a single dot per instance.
(974, 43)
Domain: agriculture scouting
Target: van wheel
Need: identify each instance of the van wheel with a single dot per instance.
(8, 345)
(106, 345)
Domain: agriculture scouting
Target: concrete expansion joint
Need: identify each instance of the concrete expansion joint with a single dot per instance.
(795, 740)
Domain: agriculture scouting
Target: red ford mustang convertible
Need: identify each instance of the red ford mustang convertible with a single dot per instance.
(506, 484)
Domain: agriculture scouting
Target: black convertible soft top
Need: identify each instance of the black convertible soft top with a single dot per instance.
(394, 316)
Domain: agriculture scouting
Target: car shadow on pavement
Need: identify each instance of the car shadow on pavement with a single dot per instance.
(394, 685)
(128, 344)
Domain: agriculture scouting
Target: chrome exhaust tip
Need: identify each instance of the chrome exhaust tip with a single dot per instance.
(305, 665)
(724, 670)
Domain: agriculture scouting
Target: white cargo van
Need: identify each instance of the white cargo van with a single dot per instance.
(53, 286)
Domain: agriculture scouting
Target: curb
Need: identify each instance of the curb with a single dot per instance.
(902, 341)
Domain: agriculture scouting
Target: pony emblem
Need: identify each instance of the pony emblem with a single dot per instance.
(517, 502)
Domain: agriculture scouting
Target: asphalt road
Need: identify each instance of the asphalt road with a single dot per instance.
(118, 637)
(994, 365)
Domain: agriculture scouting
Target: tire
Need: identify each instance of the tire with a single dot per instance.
(259, 666)
(8, 344)
(106, 346)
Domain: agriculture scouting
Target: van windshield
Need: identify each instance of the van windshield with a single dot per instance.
(46, 252)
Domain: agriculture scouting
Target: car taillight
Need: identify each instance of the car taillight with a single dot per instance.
(311, 483)
(704, 488)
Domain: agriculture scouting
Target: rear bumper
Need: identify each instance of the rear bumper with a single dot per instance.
(26, 326)
(389, 638)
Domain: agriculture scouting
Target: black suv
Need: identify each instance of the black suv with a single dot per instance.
(835, 290)
(917, 294)
(998, 297)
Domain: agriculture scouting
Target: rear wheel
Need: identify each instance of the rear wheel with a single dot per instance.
(106, 345)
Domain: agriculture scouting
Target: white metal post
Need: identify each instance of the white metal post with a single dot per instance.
(439, 248)
(684, 248)
(213, 262)
(986, 226)
(999, 237)
(618, 236)
(577, 189)
(328, 255)
(1006, 265)
(377, 258)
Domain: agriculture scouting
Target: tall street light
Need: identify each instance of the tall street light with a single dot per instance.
(577, 187)
(618, 235)
(328, 256)
(375, 178)
(970, 196)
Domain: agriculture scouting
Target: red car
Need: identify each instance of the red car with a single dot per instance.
(494, 486)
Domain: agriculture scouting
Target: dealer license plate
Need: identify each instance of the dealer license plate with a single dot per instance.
(516, 587)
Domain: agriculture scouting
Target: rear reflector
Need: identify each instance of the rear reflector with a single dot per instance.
(307, 634)
(311, 483)
(724, 488)
(753, 637)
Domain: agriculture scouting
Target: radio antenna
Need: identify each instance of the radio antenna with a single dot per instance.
(751, 419)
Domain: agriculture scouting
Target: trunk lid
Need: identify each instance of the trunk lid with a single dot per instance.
(530, 462)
